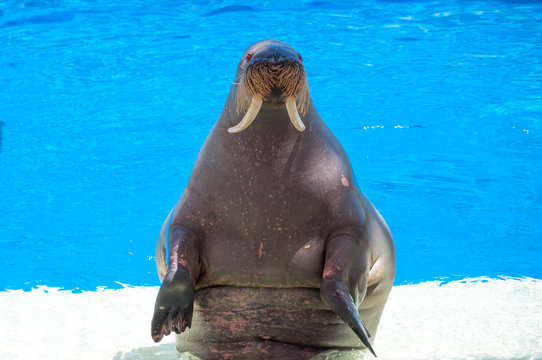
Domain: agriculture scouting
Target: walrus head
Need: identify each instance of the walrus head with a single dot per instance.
(271, 71)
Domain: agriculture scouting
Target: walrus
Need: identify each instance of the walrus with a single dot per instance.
(272, 250)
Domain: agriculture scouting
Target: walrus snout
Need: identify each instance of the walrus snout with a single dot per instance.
(272, 74)
(261, 77)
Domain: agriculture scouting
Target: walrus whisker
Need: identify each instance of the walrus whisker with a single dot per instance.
(242, 98)
(303, 99)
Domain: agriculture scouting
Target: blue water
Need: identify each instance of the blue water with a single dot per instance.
(104, 106)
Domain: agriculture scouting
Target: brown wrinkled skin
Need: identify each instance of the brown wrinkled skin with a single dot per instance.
(280, 244)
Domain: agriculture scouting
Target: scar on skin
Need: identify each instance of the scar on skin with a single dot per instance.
(260, 253)
(344, 180)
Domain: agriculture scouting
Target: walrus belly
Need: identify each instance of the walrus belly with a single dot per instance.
(263, 323)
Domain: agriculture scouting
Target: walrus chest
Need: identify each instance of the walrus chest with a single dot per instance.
(266, 223)
(267, 238)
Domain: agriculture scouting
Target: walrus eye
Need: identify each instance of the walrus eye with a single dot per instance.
(249, 56)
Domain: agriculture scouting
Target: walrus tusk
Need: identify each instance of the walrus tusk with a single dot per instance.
(249, 117)
(294, 114)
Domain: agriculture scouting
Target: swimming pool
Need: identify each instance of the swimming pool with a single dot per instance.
(105, 106)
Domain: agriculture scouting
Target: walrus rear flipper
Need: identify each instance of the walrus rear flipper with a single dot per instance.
(344, 280)
(175, 301)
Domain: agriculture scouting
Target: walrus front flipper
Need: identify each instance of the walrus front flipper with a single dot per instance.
(344, 280)
(175, 300)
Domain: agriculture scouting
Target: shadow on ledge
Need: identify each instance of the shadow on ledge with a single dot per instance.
(164, 351)
(168, 352)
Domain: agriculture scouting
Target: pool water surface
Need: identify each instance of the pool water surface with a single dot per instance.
(105, 106)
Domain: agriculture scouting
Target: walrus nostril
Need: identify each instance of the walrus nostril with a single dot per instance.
(277, 57)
